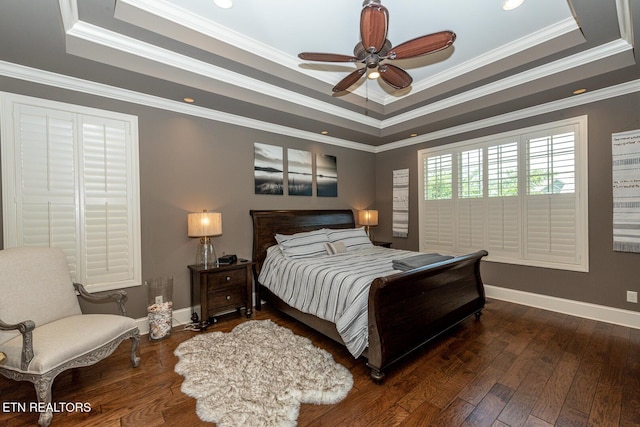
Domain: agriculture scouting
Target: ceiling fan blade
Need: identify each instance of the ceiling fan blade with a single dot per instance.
(353, 77)
(374, 23)
(395, 76)
(423, 45)
(326, 57)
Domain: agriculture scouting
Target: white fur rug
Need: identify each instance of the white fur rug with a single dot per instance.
(258, 375)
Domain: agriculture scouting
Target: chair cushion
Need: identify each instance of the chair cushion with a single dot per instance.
(62, 340)
(35, 285)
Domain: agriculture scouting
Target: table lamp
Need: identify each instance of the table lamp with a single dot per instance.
(205, 225)
(368, 218)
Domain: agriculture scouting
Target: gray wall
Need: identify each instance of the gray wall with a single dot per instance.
(188, 164)
(610, 274)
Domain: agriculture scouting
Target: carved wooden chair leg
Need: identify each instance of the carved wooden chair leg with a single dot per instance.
(43, 391)
(135, 343)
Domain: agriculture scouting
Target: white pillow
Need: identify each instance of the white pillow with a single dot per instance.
(303, 245)
(335, 247)
(353, 238)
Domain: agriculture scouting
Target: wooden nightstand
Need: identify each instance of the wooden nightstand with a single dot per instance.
(219, 290)
(379, 243)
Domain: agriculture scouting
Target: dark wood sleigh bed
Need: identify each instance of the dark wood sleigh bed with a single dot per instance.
(405, 310)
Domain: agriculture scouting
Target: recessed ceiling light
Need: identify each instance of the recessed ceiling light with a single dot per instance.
(413, 135)
(224, 4)
(579, 91)
(511, 4)
(325, 132)
(189, 100)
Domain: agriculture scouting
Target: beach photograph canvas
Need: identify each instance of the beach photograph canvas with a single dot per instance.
(299, 172)
(327, 175)
(268, 169)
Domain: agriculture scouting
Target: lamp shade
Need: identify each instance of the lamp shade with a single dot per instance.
(204, 224)
(368, 217)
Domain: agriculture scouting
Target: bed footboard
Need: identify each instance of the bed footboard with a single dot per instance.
(407, 310)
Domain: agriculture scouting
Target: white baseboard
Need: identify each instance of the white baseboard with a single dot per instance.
(601, 313)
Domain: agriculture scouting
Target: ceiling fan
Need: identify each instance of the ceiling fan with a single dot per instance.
(375, 48)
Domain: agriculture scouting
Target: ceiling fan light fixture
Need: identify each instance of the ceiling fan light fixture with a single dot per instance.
(224, 4)
(374, 47)
(511, 4)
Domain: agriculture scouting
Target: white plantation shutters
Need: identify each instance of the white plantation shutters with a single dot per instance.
(437, 225)
(438, 176)
(550, 205)
(470, 225)
(522, 196)
(107, 239)
(551, 228)
(437, 222)
(504, 227)
(470, 167)
(70, 180)
(503, 203)
(46, 204)
(470, 212)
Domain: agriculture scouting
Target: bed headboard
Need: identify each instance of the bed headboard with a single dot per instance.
(267, 223)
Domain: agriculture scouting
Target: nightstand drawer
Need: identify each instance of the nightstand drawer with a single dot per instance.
(224, 278)
(226, 297)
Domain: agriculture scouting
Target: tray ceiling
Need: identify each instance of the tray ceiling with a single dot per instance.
(240, 64)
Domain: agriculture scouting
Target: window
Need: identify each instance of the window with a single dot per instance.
(470, 183)
(522, 196)
(502, 169)
(438, 177)
(70, 180)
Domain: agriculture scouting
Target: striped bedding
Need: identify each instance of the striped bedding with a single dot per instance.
(331, 287)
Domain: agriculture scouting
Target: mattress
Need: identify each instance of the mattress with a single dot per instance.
(332, 287)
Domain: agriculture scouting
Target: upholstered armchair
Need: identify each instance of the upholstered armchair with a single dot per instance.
(42, 329)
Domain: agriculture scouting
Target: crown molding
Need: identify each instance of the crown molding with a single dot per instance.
(624, 20)
(68, 13)
(75, 84)
(48, 78)
(573, 101)
(185, 19)
(503, 52)
(600, 53)
(95, 35)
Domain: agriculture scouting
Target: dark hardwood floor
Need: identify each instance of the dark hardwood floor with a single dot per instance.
(517, 366)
